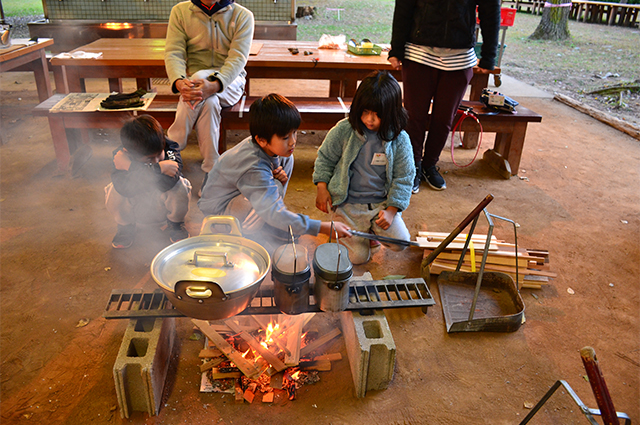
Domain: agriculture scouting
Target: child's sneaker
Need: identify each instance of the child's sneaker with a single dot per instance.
(124, 236)
(177, 231)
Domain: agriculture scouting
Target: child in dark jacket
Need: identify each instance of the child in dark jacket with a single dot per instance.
(364, 169)
(147, 181)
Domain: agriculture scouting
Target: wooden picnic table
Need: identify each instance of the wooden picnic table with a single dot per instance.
(25, 55)
(609, 13)
(143, 59)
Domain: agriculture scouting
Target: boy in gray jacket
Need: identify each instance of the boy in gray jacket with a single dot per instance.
(250, 180)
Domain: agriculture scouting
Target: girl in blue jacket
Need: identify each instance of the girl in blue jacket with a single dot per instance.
(364, 170)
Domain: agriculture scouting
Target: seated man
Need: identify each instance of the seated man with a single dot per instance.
(250, 180)
(207, 47)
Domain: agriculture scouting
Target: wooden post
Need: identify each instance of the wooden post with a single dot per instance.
(599, 386)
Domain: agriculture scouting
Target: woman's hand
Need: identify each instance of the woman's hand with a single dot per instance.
(395, 63)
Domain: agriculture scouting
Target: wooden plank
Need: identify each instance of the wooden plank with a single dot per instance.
(216, 374)
(208, 353)
(319, 342)
(319, 365)
(265, 353)
(294, 339)
(330, 357)
(211, 364)
(227, 349)
(426, 243)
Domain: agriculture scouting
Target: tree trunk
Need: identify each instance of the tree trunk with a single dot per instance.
(554, 24)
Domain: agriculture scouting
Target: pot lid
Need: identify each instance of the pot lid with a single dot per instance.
(290, 259)
(231, 261)
(331, 259)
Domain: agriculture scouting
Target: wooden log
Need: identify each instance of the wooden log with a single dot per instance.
(628, 128)
(227, 349)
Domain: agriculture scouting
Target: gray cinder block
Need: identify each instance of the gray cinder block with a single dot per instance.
(141, 367)
(370, 348)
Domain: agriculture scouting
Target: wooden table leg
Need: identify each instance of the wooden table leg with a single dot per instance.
(115, 85)
(511, 144)
(60, 78)
(478, 83)
(335, 88)
(144, 83)
(60, 143)
(43, 82)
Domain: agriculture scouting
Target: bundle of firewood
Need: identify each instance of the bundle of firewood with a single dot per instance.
(532, 264)
(246, 355)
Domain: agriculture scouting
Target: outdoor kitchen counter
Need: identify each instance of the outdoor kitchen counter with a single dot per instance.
(143, 59)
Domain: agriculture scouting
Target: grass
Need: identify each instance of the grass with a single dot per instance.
(360, 19)
(22, 7)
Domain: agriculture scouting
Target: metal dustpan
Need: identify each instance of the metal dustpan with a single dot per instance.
(480, 301)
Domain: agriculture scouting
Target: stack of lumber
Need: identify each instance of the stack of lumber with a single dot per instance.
(532, 264)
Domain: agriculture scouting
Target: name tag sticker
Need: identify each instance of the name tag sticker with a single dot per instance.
(379, 159)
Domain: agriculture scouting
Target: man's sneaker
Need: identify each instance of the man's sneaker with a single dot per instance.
(416, 182)
(374, 246)
(177, 231)
(124, 236)
(433, 178)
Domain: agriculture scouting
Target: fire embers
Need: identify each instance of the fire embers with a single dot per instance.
(294, 378)
(269, 356)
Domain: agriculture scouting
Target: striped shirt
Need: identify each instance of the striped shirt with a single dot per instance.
(441, 58)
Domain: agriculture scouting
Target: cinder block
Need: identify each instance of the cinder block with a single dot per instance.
(370, 348)
(141, 367)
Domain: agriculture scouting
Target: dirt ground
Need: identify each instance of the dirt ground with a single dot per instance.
(576, 195)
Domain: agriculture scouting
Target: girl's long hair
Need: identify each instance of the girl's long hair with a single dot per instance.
(379, 92)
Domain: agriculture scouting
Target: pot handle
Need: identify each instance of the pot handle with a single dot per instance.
(212, 220)
(199, 290)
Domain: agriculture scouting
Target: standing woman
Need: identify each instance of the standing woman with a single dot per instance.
(434, 41)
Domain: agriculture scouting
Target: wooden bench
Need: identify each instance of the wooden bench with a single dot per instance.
(317, 114)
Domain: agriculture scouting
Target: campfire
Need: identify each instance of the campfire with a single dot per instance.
(267, 355)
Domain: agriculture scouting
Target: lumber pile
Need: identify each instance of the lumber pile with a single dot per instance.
(249, 355)
(532, 264)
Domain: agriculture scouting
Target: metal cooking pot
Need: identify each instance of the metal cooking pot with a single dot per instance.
(214, 275)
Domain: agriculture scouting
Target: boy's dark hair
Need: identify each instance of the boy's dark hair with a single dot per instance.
(379, 92)
(142, 136)
(273, 114)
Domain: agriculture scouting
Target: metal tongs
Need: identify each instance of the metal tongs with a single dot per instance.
(383, 239)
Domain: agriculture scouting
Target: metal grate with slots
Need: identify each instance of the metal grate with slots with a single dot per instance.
(363, 295)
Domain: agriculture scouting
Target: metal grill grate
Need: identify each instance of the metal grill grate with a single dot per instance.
(363, 295)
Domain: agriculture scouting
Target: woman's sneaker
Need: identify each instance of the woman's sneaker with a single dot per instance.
(433, 178)
(124, 236)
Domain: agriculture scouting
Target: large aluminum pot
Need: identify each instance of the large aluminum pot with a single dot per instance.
(214, 275)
